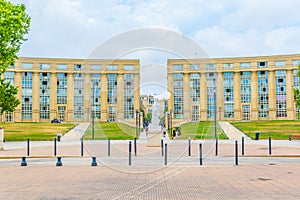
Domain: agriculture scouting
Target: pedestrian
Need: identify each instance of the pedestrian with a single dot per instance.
(164, 131)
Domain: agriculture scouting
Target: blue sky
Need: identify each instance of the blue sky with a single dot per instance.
(74, 28)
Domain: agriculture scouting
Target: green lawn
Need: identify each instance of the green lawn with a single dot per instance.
(279, 129)
(201, 130)
(113, 131)
(36, 131)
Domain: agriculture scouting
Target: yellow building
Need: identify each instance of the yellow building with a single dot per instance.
(75, 89)
(242, 88)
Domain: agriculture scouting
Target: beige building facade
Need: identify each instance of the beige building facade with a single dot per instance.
(75, 89)
(233, 89)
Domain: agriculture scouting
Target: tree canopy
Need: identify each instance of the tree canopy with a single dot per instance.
(297, 92)
(14, 25)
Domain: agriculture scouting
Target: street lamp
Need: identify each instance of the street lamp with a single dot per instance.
(137, 123)
(93, 112)
(215, 115)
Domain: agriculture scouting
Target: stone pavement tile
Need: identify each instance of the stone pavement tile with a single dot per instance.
(207, 182)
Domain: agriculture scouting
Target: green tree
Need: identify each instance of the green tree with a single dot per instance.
(297, 92)
(14, 25)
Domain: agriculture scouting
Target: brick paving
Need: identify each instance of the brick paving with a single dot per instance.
(259, 176)
(279, 181)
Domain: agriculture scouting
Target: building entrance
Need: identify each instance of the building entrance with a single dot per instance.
(62, 113)
(246, 112)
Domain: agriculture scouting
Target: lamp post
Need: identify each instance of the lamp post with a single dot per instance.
(171, 119)
(215, 115)
(93, 112)
(137, 123)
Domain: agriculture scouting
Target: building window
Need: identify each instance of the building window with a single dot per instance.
(296, 63)
(61, 88)
(262, 64)
(151, 100)
(27, 65)
(44, 66)
(128, 96)
(95, 67)
(178, 67)
(228, 65)
(195, 88)
(44, 95)
(211, 66)
(78, 96)
(112, 113)
(297, 85)
(112, 67)
(194, 67)
(228, 95)
(112, 88)
(78, 67)
(62, 66)
(263, 96)
(245, 65)
(211, 90)
(279, 63)
(128, 67)
(9, 77)
(95, 95)
(178, 96)
(245, 87)
(195, 113)
(280, 76)
(26, 95)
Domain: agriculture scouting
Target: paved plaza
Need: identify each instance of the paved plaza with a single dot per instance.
(258, 175)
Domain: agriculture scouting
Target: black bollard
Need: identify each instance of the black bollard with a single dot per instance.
(236, 153)
(243, 146)
(54, 146)
(94, 162)
(135, 150)
(23, 163)
(162, 147)
(108, 147)
(28, 146)
(81, 147)
(200, 153)
(59, 163)
(270, 146)
(189, 146)
(166, 154)
(216, 146)
(257, 136)
(129, 153)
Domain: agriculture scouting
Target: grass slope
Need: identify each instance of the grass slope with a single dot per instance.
(36, 131)
(277, 129)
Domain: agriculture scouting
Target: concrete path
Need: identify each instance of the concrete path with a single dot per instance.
(232, 132)
(76, 133)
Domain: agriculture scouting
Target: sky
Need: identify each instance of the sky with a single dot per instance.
(222, 28)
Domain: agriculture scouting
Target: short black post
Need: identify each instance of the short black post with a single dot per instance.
(270, 146)
(81, 147)
(257, 136)
(189, 146)
(135, 150)
(162, 147)
(166, 154)
(129, 153)
(54, 146)
(23, 163)
(108, 147)
(200, 152)
(236, 153)
(216, 146)
(59, 163)
(243, 146)
(94, 162)
(28, 146)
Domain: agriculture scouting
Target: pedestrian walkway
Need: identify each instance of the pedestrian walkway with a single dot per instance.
(232, 132)
(76, 133)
